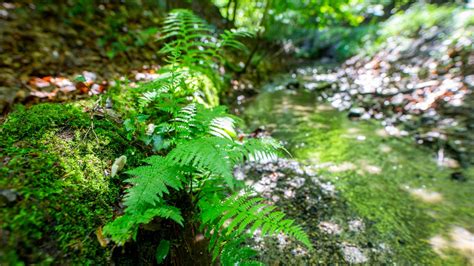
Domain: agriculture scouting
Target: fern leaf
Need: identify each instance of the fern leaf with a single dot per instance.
(126, 226)
(208, 153)
(184, 122)
(151, 182)
(217, 122)
(235, 252)
(262, 149)
(245, 212)
(229, 39)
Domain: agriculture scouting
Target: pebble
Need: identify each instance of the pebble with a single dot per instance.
(353, 254)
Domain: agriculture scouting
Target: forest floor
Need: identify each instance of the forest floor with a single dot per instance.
(41, 60)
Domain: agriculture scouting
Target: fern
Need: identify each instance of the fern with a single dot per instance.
(151, 182)
(190, 42)
(263, 149)
(184, 123)
(217, 122)
(207, 153)
(126, 226)
(245, 213)
(201, 150)
(235, 252)
(193, 53)
(144, 200)
(228, 39)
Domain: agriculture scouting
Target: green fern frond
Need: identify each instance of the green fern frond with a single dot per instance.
(217, 122)
(188, 35)
(262, 149)
(169, 103)
(229, 39)
(207, 153)
(241, 214)
(203, 148)
(126, 226)
(235, 252)
(150, 183)
(144, 200)
(192, 38)
(222, 127)
(166, 93)
(184, 122)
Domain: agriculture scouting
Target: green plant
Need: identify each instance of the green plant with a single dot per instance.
(190, 43)
(193, 181)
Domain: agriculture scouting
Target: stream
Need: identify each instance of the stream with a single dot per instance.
(363, 195)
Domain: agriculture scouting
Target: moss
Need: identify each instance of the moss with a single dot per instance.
(208, 92)
(59, 167)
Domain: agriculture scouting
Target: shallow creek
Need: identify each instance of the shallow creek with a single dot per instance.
(393, 203)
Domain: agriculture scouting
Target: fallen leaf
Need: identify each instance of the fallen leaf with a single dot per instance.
(82, 87)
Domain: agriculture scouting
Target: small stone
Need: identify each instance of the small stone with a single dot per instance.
(426, 195)
(239, 173)
(259, 187)
(353, 254)
(356, 225)
(297, 182)
(330, 228)
(7, 196)
(356, 112)
(89, 76)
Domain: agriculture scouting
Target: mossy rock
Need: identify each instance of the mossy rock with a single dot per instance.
(55, 162)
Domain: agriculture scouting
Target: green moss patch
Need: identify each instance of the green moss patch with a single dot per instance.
(55, 164)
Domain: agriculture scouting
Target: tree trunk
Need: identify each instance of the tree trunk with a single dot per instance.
(234, 11)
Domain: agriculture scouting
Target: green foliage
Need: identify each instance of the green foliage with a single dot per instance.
(418, 17)
(284, 17)
(151, 182)
(192, 47)
(235, 252)
(201, 150)
(243, 213)
(211, 154)
(451, 22)
(190, 40)
(162, 250)
(193, 54)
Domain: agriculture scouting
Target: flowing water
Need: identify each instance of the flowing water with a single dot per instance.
(410, 204)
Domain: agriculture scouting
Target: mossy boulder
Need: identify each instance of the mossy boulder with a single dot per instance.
(57, 190)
